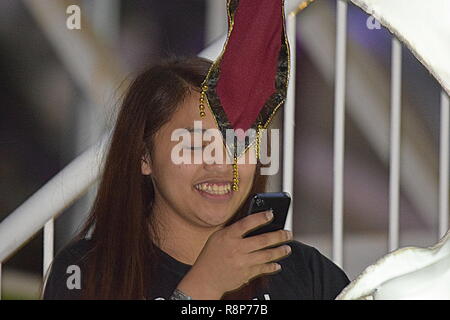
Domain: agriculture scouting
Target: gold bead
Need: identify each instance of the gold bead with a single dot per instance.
(201, 106)
(258, 140)
(204, 88)
(202, 114)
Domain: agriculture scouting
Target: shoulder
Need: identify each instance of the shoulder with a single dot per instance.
(302, 248)
(308, 254)
(69, 260)
(324, 276)
(305, 255)
(73, 253)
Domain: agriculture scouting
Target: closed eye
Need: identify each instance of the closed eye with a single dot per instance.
(195, 148)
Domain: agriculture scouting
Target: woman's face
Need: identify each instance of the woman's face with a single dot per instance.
(199, 193)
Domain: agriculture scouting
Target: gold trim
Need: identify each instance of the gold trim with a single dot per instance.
(301, 7)
(218, 60)
(286, 41)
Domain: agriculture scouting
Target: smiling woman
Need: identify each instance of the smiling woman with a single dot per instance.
(162, 230)
(168, 229)
(147, 208)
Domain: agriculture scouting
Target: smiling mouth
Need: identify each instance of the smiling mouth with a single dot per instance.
(214, 189)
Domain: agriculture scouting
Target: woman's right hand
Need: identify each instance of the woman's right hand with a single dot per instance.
(229, 261)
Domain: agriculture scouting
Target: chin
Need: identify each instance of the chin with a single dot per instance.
(216, 220)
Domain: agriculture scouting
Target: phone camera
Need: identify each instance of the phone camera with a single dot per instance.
(259, 202)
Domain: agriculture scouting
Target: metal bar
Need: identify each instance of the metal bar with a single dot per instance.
(372, 117)
(444, 165)
(48, 245)
(289, 121)
(394, 179)
(339, 132)
(56, 195)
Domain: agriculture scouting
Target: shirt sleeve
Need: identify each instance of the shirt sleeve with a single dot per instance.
(328, 279)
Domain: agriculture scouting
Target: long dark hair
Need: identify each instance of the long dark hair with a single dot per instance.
(124, 233)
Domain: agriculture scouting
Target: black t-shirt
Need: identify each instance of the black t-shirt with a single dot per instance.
(305, 274)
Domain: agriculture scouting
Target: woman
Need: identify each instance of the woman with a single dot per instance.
(162, 230)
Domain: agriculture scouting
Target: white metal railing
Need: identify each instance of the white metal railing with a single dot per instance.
(50, 200)
(394, 179)
(339, 132)
(339, 143)
(56, 195)
(444, 165)
(49, 238)
(289, 121)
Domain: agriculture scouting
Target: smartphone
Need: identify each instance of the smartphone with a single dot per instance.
(279, 202)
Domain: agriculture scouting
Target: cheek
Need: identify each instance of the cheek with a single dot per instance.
(173, 177)
(247, 169)
(180, 174)
(247, 173)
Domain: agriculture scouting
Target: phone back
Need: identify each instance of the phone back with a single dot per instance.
(279, 202)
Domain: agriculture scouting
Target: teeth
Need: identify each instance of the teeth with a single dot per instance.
(214, 188)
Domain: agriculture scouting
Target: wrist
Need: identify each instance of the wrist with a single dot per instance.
(179, 295)
(198, 288)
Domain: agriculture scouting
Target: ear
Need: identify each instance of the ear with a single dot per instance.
(146, 168)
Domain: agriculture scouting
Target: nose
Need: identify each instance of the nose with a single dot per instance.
(218, 158)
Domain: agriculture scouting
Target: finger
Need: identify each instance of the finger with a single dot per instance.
(265, 240)
(269, 255)
(247, 224)
(265, 268)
